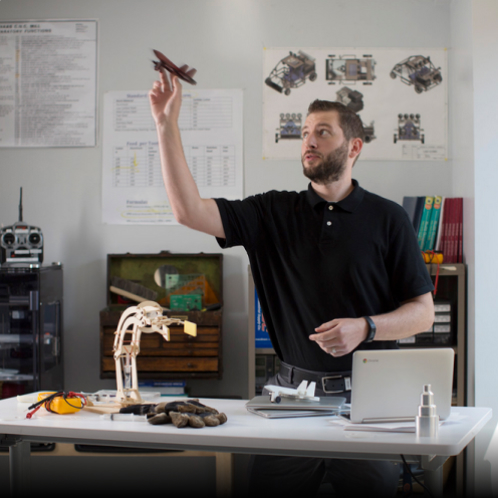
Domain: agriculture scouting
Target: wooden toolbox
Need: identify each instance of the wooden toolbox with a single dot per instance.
(158, 277)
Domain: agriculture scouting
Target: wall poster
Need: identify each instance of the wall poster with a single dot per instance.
(210, 123)
(400, 95)
(48, 83)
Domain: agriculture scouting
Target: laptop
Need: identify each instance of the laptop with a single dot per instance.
(387, 384)
(288, 407)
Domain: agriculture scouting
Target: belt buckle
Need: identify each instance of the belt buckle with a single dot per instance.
(346, 382)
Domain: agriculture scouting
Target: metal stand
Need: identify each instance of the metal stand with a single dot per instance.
(20, 469)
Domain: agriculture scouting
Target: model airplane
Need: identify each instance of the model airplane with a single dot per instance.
(304, 391)
(184, 73)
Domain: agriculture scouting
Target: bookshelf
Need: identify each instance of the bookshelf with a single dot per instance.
(451, 289)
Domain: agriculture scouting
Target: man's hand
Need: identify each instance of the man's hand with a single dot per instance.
(166, 98)
(340, 336)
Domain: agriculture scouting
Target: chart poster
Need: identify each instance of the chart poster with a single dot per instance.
(132, 186)
(48, 83)
(399, 94)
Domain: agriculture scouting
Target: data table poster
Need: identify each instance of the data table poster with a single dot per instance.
(48, 83)
(132, 186)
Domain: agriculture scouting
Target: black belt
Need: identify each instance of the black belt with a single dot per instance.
(330, 383)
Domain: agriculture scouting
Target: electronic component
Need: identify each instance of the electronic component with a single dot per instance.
(58, 402)
(21, 244)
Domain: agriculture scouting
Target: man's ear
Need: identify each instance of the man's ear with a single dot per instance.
(355, 147)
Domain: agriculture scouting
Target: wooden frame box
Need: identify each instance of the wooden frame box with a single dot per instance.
(184, 356)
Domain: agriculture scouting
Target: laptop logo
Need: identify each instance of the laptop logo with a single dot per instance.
(371, 361)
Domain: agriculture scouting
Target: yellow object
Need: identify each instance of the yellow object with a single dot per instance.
(190, 328)
(433, 257)
(60, 405)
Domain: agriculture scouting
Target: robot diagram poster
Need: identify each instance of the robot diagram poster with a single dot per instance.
(399, 94)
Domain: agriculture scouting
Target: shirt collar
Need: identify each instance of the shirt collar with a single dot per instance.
(349, 203)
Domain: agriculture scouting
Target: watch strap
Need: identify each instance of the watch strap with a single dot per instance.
(372, 329)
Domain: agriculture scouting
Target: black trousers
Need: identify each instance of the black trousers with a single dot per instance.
(302, 476)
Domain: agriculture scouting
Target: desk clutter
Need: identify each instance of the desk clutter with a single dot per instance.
(182, 413)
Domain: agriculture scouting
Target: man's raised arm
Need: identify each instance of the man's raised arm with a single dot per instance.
(188, 206)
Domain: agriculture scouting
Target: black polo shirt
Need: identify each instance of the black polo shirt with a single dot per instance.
(313, 261)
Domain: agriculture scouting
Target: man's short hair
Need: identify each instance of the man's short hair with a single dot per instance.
(349, 121)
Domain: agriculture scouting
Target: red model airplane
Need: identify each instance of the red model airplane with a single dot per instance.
(183, 72)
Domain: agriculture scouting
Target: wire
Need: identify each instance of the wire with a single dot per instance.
(407, 467)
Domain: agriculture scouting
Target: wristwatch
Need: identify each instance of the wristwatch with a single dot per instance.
(372, 329)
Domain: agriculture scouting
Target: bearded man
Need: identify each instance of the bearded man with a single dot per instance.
(337, 269)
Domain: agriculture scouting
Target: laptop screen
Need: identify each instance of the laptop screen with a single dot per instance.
(387, 384)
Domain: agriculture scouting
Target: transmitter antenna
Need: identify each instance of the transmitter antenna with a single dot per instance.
(20, 206)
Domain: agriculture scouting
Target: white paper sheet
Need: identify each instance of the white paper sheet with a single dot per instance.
(211, 128)
(48, 83)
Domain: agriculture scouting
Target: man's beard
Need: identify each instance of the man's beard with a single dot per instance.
(331, 168)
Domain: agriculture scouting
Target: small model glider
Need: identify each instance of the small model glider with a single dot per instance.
(184, 73)
(304, 391)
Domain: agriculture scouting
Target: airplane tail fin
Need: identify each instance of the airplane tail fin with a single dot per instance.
(310, 391)
(302, 388)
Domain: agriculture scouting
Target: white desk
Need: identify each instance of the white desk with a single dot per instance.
(243, 433)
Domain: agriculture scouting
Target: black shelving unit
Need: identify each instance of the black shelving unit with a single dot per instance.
(30, 329)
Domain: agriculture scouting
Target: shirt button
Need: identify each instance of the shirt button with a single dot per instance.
(331, 207)
(329, 223)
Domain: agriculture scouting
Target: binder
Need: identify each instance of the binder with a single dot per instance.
(437, 245)
(445, 245)
(460, 231)
(424, 222)
(433, 224)
(414, 207)
(417, 217)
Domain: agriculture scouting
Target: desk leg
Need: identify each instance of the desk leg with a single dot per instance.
(433, 479)
(224, 475)
(20, 469)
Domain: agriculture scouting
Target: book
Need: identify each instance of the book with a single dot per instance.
(418, 213)
(460, 231)
(433, 224)
(414, 207)
(165, 388)
(261, 336)
(437, 244)
(410, 205)
(444, 245)
(162, 383)
(455, 229)
(424, 222)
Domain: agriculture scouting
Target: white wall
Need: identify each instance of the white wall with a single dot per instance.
(224, 40)
(461, 131)
(485, 76)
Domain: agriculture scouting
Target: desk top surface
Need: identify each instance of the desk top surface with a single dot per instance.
(242, 433)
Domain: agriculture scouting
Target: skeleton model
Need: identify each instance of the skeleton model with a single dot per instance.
(146, 318)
